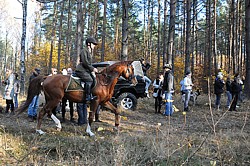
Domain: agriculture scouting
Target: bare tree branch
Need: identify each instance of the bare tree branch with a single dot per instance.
(20, 2)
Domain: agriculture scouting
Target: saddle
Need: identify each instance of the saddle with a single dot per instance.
(74, 84)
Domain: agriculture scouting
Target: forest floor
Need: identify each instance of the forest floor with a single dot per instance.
(202, 136)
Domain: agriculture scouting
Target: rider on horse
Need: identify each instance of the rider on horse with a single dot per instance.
(84, 68)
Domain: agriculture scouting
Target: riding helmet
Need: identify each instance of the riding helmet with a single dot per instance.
(168, 66)
(91, 40)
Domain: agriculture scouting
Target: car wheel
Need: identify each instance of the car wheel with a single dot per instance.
(127, 101)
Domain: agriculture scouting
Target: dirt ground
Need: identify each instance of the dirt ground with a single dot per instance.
(202, 136)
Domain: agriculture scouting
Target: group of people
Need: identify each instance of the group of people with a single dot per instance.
(233, 90)
(164, 89)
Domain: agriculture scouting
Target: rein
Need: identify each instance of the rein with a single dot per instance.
(107, 76)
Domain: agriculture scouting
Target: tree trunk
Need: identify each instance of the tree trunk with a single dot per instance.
(104, 29)
(68, 37)
(52, 37)
(165, 33)
(60, 37)
(124, 51)
(79, 32)
(188, 34)
(117, 18)
(247, 30)
(214, 38)
(171, 32)
(159, 37)
(22, 58)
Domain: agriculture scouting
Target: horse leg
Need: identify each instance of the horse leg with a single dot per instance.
(57, 121)
(115, 111)
(93, 106)
(39, 121)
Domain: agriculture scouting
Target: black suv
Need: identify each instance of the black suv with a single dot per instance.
(125, 95)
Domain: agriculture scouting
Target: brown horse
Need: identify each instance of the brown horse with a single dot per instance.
(54, 88)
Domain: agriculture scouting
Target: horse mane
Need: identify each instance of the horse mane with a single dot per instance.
(107, 74)
(115, 65)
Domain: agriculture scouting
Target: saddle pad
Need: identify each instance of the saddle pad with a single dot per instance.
(74, 84)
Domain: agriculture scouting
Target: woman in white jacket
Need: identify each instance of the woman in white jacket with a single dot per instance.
(9, 91)
(187, 89)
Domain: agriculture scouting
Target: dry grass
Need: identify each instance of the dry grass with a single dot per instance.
(201, 137)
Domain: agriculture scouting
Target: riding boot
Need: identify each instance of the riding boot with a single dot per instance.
(88, 91)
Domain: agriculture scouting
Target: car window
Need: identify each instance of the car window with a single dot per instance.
(137, 68)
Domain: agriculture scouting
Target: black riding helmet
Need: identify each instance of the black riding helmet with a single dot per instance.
(91, 40)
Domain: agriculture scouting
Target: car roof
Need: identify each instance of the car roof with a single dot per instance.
(104, 64)
(136, 64)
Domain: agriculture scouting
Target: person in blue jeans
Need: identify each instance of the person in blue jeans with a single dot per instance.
(145, 66)
(16, 90)
(32, 110)
(82, 113)
(168, 88)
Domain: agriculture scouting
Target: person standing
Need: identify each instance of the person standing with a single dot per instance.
(16, 90)
(235, 91)
(85, 68)
(65, 101)
(228, 91)
(9, 91)
(33, 107)
(168, 88)
(145, 67)
(218, 90)
(157, 84)
(187, 89)
(53, 72)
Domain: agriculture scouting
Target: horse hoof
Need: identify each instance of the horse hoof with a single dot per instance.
(116, 128)
(40, 132)
(59, 129)
(91, 134)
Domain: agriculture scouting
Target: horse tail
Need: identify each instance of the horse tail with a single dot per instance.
(34, 89)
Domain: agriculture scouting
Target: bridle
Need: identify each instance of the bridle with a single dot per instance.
(108, 76)
(129, 73)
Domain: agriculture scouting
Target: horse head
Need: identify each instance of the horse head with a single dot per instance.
(128, 72)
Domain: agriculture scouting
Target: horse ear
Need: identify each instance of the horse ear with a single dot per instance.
(130, 62)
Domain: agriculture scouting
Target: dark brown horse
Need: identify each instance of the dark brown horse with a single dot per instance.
(54, 88)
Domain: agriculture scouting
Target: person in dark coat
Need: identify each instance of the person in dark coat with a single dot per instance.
(157, 84)
(218, 89)
(84, 69)
(235, 91)
(145, 67)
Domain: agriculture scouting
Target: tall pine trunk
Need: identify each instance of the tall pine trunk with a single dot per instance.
(247, 30)
(124, 51)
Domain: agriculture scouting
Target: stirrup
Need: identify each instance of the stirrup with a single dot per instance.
(90, 97)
